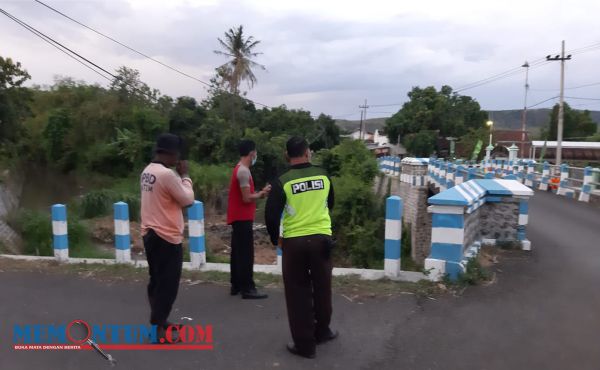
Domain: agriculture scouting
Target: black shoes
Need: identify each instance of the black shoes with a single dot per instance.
(250, 294)
(330, 336)
(253, 294)
(291, 347)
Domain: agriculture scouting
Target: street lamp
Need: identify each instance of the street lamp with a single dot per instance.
(488, 150)
(490, 124)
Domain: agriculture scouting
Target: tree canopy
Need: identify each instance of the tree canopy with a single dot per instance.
(577, 125)
(430, 114)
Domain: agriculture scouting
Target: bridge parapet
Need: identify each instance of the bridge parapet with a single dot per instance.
(471, 214)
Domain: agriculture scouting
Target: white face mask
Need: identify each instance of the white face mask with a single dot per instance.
(254, 159)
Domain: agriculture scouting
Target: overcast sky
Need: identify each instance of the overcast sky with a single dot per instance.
(324, 55)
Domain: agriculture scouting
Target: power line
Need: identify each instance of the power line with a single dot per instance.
(580, 98)
(71, 53)
(122, 44)
(542, 102)
(41, 36)
(136, 51)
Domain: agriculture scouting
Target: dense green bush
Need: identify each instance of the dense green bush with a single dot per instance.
(211, 182)
(358, 215)
(35, 228)
(98, 203)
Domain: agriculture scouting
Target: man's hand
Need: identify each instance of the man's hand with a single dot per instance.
(182, 168)
(265, 191)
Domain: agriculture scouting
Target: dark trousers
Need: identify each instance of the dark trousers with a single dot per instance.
(307, 279)
(242, 256)
(164, 265)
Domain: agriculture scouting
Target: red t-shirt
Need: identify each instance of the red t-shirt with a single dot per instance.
(237, 210)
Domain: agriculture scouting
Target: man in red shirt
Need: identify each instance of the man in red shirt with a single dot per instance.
(240, 215)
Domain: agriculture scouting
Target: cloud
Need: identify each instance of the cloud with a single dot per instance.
(323, 56)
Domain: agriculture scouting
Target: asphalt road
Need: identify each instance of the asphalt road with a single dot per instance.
(543, 312)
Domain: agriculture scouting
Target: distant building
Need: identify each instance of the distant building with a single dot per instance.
(571, 150)
(378, 143)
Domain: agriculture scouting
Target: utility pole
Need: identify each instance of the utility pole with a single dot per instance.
(363, 119)
(524, 118)
(559, 129)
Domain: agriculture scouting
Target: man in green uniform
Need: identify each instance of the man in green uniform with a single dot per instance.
(304, 195)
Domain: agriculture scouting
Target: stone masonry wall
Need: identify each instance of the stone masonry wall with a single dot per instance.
(499, 220)
(472, 227)
(417, 219)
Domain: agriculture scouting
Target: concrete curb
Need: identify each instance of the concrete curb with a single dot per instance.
(365, 274)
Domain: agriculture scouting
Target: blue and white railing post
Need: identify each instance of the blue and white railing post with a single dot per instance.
(522, 225)
(196, 233)
(450, 175)
(586, 188)
(393, 236)
(447, 237)
(564, 175)
(59, 232)
(122, 234)
(545, 177)
(459, 176)
(529, 176)
(472, 173)
(443, 167)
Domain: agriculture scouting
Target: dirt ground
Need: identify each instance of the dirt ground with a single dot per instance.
(218, 238)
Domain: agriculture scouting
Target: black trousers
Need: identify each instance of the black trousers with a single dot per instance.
(307, 279)
(164, 265)
(242, 256)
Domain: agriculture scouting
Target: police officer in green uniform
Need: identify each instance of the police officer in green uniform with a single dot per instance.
(304, 195)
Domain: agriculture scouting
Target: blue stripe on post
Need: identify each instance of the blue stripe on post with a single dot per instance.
(446, 251)
(61, 241)
(447, 220)
(122, 241)
(59, 212)
(393, 208)
(392, 249)
(196, 211)
(121, 211)
(197, 244)
(523, 207)
(453, 269)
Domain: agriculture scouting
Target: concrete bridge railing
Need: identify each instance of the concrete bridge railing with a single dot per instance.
(574, 182)
(473, 213)
(197, 245)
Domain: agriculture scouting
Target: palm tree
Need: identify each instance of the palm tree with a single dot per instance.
(241, 51)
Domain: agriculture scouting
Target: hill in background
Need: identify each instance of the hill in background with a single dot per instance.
(503, 119)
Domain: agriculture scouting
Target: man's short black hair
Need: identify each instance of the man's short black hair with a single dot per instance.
(246, 146)
(296, 146)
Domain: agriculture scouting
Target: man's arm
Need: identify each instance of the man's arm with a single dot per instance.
(180, 188)
(274, 209)
(243, 177)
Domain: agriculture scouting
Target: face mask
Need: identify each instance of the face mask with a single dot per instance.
(254, 159)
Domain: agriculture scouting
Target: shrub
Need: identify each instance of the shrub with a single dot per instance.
(99, 203)
(36, 230)
(210, 182)
(96, 203)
